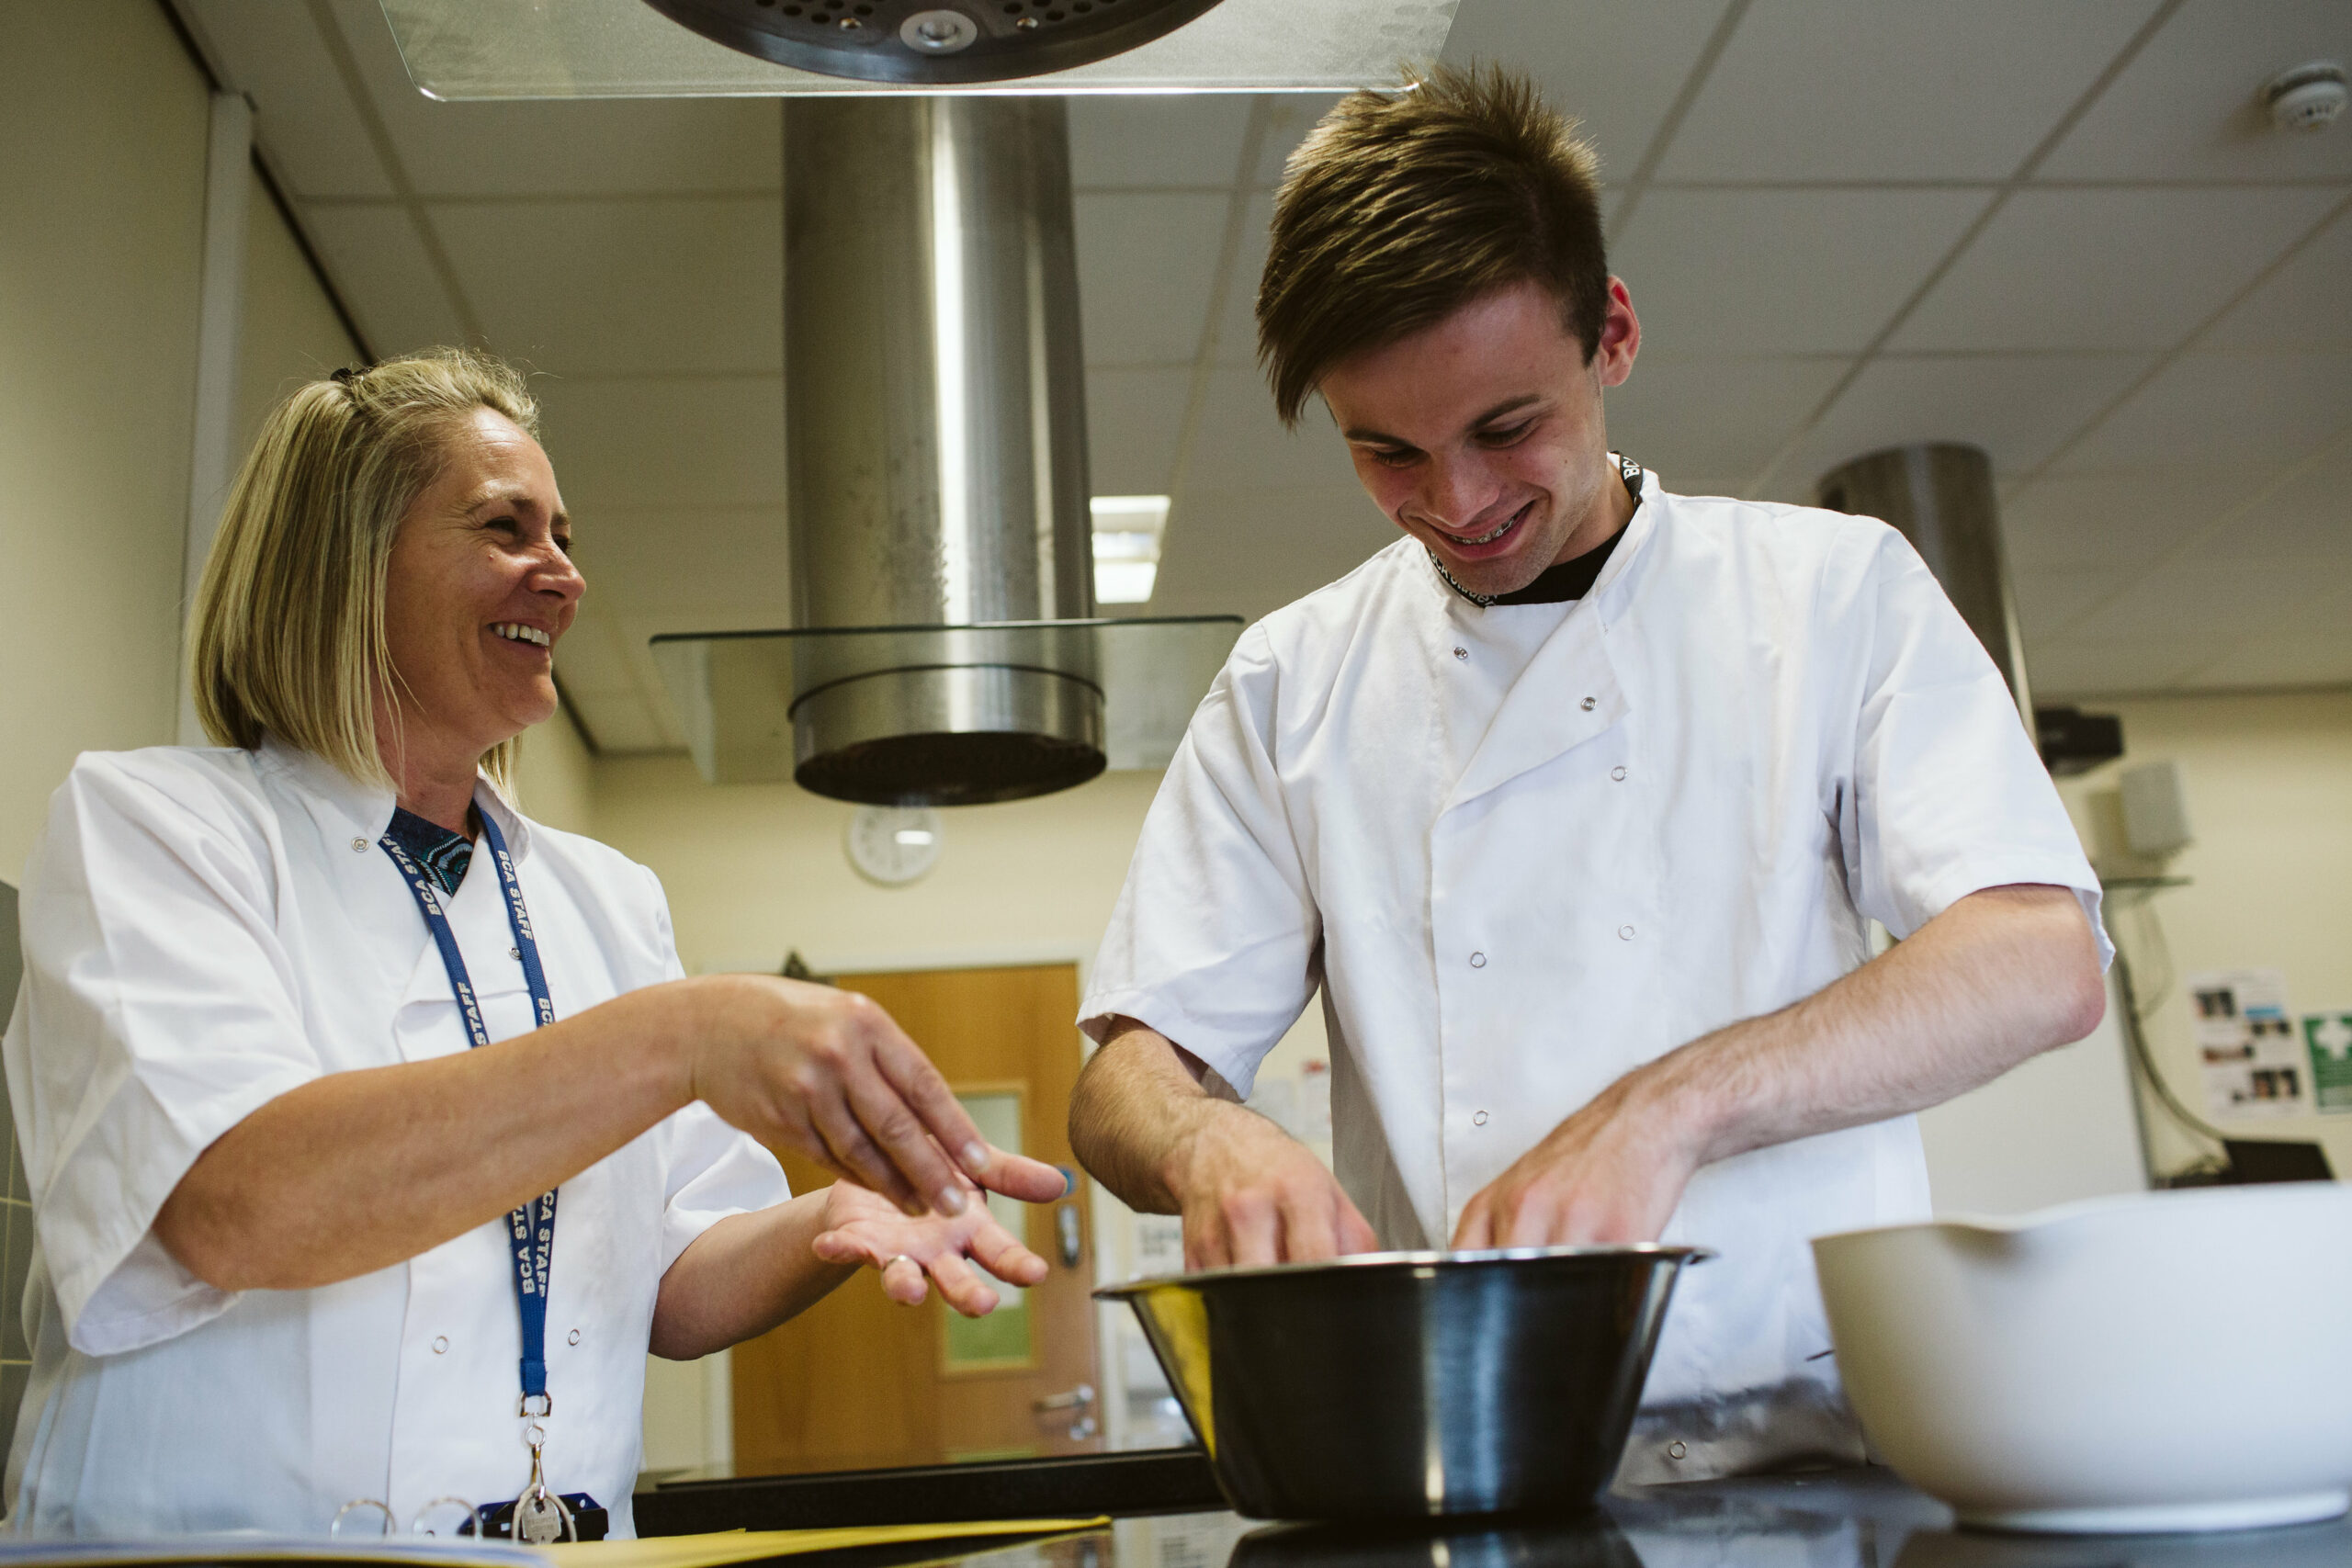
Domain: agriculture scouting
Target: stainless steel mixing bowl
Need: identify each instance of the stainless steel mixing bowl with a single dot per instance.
(1409, 1384)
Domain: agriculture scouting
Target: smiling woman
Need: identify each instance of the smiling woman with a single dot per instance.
(298, 1094)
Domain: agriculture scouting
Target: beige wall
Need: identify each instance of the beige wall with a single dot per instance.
(101, 223)
(755, 870)
(556, 780)
(290, 332)
(2269, 782)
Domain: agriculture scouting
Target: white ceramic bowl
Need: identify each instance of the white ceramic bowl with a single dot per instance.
(2158, 1361)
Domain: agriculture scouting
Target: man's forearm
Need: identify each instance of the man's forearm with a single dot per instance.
(1136, 1105)
(2001, 976)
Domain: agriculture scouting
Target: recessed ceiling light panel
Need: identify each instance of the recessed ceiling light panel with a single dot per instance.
(460, 50)
(933, 42)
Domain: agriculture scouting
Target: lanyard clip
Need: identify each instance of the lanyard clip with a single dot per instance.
(541, 1518)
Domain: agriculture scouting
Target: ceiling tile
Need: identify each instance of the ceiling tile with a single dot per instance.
(1132, 421)
(1237, 338)
(2204, 608)
(1240, 444)
(379, 266)
(2112, 521)
(1865, 90)
(2254, 413)
(2306, 304)
(1249, 552)
(2067, 667)
(1144, 141)
(2189, 107)
(607, 287)
(1782, 271)
(665, 443)
(1289, 116)
(2308, 523)
(2016, 407)
(659, 561)
(2291, 656)
(2108, 269)
(1714, 416)
(1147, 261)
(1615, 67)
(302, 115)
(588, 146)
(623, 723)
(2050, 601)
(590, 660)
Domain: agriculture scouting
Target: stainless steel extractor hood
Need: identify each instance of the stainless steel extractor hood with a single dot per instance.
(944, 651)
(603, 49)
(932, 43)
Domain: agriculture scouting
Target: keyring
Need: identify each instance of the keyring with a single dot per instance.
(418, 1525)
(335, 1526)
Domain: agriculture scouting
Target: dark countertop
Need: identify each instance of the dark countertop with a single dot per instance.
(1840, 1519)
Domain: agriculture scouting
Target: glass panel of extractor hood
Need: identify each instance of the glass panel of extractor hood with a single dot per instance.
(733, 692)
(622, 49)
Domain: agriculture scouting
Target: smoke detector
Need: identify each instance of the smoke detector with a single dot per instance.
(2307, 97)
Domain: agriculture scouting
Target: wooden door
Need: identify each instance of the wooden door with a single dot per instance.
(858, 1380)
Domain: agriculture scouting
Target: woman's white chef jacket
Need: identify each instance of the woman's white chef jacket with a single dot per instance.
(204, 931)
(1525, 849)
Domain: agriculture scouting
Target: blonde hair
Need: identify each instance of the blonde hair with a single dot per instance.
(288, 628)
(1401, 208)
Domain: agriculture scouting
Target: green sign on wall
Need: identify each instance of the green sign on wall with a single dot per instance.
(2328, 1037)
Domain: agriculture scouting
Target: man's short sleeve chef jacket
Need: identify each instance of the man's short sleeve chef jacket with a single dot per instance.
(1527, 849)
(204, 931)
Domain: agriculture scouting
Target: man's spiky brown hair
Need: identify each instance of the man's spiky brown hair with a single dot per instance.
(1402, 207)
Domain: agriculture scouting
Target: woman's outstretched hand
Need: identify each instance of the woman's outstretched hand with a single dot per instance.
(861, 1227)
(828, 1072)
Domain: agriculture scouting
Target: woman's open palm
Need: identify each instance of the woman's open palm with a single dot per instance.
(862, 1226)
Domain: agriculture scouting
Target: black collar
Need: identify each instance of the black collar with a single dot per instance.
(1570, 580)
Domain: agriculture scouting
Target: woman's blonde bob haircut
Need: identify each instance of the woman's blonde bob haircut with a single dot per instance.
(289, 630)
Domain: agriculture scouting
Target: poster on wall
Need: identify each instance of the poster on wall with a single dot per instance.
(2327, 1038)
(2255, 1060)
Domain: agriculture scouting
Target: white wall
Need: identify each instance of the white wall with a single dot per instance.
(103, 119)
(2268, 781)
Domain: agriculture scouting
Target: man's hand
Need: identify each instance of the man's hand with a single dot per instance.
(1156, 1127)
(1612, 1172)
(1252, 1194)
(862, 1227)
(2000, 975)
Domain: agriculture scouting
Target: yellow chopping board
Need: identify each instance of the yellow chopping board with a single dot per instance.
(724, 1547)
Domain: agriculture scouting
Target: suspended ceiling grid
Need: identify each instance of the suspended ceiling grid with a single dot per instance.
(2058, 229)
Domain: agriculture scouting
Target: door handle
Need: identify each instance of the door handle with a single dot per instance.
(1080, 1398)
(1066, 1233)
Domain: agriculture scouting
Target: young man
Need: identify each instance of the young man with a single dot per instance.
(1575, 802)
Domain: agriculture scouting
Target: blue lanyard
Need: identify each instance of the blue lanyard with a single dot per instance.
(530, 1230)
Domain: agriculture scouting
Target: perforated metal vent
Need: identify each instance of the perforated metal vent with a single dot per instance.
(939, 42)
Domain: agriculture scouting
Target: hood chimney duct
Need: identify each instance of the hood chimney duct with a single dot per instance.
(935, 437)
(1940, 496)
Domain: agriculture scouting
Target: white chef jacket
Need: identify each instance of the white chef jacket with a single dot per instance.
(204, 931)
(1526, 849)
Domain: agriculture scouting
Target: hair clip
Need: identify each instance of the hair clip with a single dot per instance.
(348, 374)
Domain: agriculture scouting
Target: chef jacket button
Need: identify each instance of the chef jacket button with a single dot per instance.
(1625, 933)
(1460, 653)
(572, 1337)
(1589, 704)
(441, 1344)
(360, 846)
(1478, 1119)
(1674, 1449)
(1617, 773)
(1477, 961)
(516, 953)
